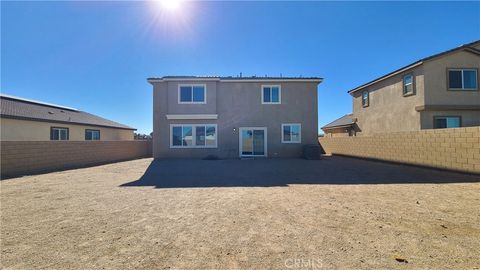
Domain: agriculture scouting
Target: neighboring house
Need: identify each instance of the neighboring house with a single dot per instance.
(231, 117)
(440, 91)
(342, 127)
(29, 120)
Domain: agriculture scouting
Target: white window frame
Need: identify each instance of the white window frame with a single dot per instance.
(461, 72)
(270, 86)
(407, 84)
(92, 130)
(58, 130)
(364, 105)
(299, 131)
(446, 119)
(192, 102)
(194, 136)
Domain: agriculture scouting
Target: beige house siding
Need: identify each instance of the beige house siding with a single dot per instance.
(436, 80)
(26, 130)
(389, 110)
(438, 93)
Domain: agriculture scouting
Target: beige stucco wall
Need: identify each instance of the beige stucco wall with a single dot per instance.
(436, 80)
(437, 89)
(389, 110)
(25, 130)
(238, 104)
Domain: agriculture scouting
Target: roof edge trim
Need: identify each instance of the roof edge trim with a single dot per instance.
(334, 127)
(62, 122)
(38, 102)
(317, 80)
(389, 75)
(466, 47)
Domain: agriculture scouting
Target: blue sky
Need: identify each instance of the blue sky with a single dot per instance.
(96, 56)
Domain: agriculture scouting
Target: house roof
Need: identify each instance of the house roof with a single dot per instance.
(467, 47)
(344, 121)
(234, 79)
(27, 109)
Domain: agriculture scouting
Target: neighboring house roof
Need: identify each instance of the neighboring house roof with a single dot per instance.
(234, 79)
(467, 47)
(344, 121)
(26, 109)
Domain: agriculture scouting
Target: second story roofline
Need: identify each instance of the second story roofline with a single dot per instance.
(235, 79)
(467, 47)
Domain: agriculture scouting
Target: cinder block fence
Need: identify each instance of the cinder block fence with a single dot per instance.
(452, 148)
(31, 157)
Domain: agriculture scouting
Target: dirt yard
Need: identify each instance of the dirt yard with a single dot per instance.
(334, 213)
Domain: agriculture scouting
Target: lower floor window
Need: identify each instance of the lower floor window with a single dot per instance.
(92, 135)
(446, 122)
(291, 133)
(190, 136)
(58, 134)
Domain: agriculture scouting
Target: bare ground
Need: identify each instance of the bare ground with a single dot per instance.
(110, 217)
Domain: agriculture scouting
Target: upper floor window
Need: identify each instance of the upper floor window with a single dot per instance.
(291, 133)
(446, 122)
(462, 79)
(365, 98)
(92, 135)
(408, 84)
(58, 134)
(271, 94)
(192, 94)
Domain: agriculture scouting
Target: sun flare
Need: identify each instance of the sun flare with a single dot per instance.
(170, 5)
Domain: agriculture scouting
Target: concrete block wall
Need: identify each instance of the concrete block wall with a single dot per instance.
(451, 148)
(31, 157)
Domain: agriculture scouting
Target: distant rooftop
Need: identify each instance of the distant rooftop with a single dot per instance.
(37, 102)
(28, 109)
(236, 78)
(344, 121)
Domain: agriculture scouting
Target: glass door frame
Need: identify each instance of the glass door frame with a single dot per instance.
(240, 141)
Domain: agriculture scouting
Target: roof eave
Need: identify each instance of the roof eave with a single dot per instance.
(154, 80)
(319, 80)
(157, 80)
(62, 122)
(389, 75)
(335, 127)
(467, 47)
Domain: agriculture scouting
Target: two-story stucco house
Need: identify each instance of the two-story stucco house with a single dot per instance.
(232, 117)
(440, 91)
(31, 120)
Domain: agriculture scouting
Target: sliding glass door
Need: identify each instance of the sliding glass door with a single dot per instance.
(253, 142)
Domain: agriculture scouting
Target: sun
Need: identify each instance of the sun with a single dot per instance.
(170, 5)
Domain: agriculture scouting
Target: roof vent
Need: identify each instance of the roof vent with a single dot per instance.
(50, 112)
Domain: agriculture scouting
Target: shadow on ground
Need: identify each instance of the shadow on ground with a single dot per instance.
(282, 172)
